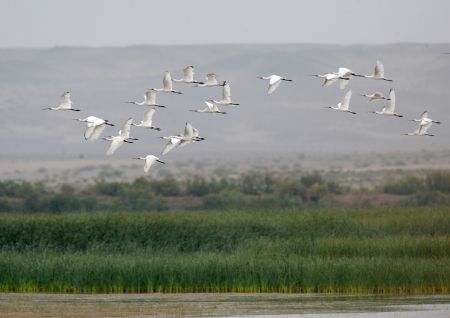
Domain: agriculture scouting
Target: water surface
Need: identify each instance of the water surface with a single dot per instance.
(14, 305)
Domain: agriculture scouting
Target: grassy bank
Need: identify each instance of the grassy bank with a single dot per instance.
(396, 250)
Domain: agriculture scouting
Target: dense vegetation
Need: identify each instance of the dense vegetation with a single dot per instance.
(388, 250)
(250, 190)
(433, 189)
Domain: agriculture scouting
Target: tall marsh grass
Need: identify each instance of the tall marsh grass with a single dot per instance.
(395, 250)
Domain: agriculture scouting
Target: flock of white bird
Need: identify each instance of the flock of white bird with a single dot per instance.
(95, 125)
(343, 75)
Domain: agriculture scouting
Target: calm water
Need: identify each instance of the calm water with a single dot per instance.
(226, 305)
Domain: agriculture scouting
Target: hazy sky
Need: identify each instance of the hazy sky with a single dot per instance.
(47, 23)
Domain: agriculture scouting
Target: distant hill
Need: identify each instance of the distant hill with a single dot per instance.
(291, 120)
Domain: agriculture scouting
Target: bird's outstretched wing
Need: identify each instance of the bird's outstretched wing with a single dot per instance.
(209, 107)
(88, 132)
(149, 161)
(329, 80)
(148, 116)
(125, 131)
(273, 86)
(114, 145)
(188, 131)
(378, 95)
(344, 72)
(345, 103)
(226, 92)
(424, 115)
(390, 104)
(65, 102)
(423, 129)
(378, 72)
(211, 79)
(167, 81)
(150, 97)
(97, 132)
(215, 108)
(171, 144)
(188, 74)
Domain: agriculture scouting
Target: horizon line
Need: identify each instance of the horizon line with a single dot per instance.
(224, 44)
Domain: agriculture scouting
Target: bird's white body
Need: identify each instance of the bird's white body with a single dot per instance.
(148, 120)
(344, 105)
(378, 73)
(167, 85)
(64, 104)
(375, 96)
(211, 81)
(210, 108)
(274, 82)
(149, 161)
(149, 99)
(226, 96)
(123, 136)
(188, 76)
(389, 108)
(94, 127)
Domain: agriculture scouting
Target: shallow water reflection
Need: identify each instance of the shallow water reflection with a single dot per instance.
(227, 305)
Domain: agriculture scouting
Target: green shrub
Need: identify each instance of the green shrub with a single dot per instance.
(404, 185)
(198, 187)
(168, 186)
(438, 181)
(107, 188)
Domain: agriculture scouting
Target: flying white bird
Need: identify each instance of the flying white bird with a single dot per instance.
(149, 99)
(378, 73)
(173, 142)
(149, 161)
(345, 74)
(226, 96)
(211, 81)
(188, 76)
(389, 108)
(94, 127)
(148, 119)
(210, 108)
(167, 85)
(331, 78)
(422, 130)
(123, 136)
(375, 96)
(190, 134)
(274, 82)
(424, 119)
(64, 104)
(343, 106)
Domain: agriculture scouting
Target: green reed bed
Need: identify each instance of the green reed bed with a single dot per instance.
(349, 251)
(220, 273)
